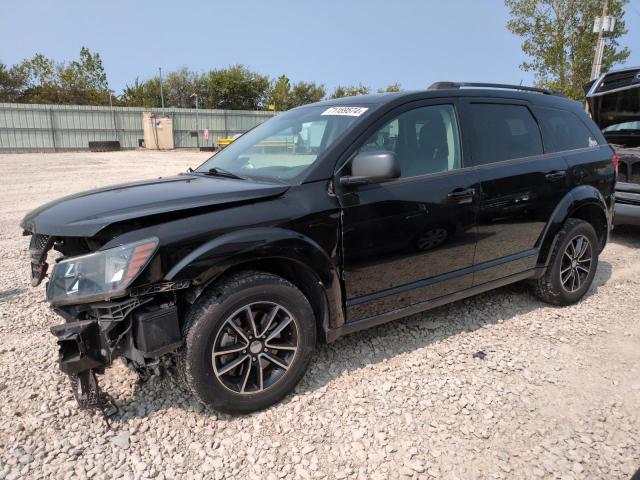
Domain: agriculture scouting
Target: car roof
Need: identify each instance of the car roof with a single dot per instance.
(381, 99)
(371, 99)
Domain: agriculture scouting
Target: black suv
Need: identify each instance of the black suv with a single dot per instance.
(325, 220)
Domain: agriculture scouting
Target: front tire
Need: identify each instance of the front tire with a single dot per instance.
(572, 266)
(248, 342)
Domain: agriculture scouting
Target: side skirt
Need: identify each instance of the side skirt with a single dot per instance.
(375, 320)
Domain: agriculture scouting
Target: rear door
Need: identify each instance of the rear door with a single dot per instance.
(520, 185)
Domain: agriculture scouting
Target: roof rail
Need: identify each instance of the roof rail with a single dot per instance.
(449, 85)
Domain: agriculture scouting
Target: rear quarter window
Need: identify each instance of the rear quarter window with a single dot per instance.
(563, 130)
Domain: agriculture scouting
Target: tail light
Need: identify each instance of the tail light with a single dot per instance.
(615, 160)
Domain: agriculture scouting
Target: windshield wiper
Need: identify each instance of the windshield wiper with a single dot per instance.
(221, 172)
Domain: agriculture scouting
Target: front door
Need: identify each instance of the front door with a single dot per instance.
(411, 239)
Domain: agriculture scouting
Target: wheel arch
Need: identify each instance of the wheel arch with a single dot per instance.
(282, 252)
(584, 202)
(299, 275)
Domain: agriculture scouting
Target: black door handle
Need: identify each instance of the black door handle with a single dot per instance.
(555, 175)
(462, 195)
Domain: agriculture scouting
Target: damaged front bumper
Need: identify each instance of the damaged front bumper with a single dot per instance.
(139, 330)
(80, 357)
(80, 346)
(112, 303)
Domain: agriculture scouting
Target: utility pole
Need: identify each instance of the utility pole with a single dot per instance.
(161, 92)
(603, 23)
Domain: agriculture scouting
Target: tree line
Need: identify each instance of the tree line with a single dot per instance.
(84, 82)
(557, 40)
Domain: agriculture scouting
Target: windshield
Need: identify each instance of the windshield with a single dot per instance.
(623, 126)
(285, 146)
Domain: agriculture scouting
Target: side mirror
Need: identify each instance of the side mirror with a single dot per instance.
(372, 167)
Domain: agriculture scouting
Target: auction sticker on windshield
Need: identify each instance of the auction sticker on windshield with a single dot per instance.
(349, 111)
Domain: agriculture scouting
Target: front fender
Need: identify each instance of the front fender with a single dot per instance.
(574, 200)
(213, 258)
(217, 255)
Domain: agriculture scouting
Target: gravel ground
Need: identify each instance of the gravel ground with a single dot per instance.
(555, 395)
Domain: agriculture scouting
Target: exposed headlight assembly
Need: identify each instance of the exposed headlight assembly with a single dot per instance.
(100, 275)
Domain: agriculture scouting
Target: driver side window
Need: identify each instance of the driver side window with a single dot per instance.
(425, 140)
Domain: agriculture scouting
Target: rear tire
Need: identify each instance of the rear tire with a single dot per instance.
(572, 266)
(268, 328)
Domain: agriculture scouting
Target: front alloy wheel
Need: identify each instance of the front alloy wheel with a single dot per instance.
(255, 347)
(248, 342)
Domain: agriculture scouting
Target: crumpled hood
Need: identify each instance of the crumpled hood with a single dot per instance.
(85, 214)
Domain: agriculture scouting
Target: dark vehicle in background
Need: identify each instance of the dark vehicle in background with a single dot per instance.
(614, 103)
(325, 220)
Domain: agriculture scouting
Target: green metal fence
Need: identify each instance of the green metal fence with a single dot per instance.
(41, 128)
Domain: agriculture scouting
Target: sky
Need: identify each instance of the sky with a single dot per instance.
(373, 42)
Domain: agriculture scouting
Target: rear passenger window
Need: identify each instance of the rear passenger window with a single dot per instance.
(564, 130)
(503, 132)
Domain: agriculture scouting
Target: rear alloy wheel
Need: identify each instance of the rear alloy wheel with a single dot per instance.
(572, 265)
(248, 342)
(576, 264)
